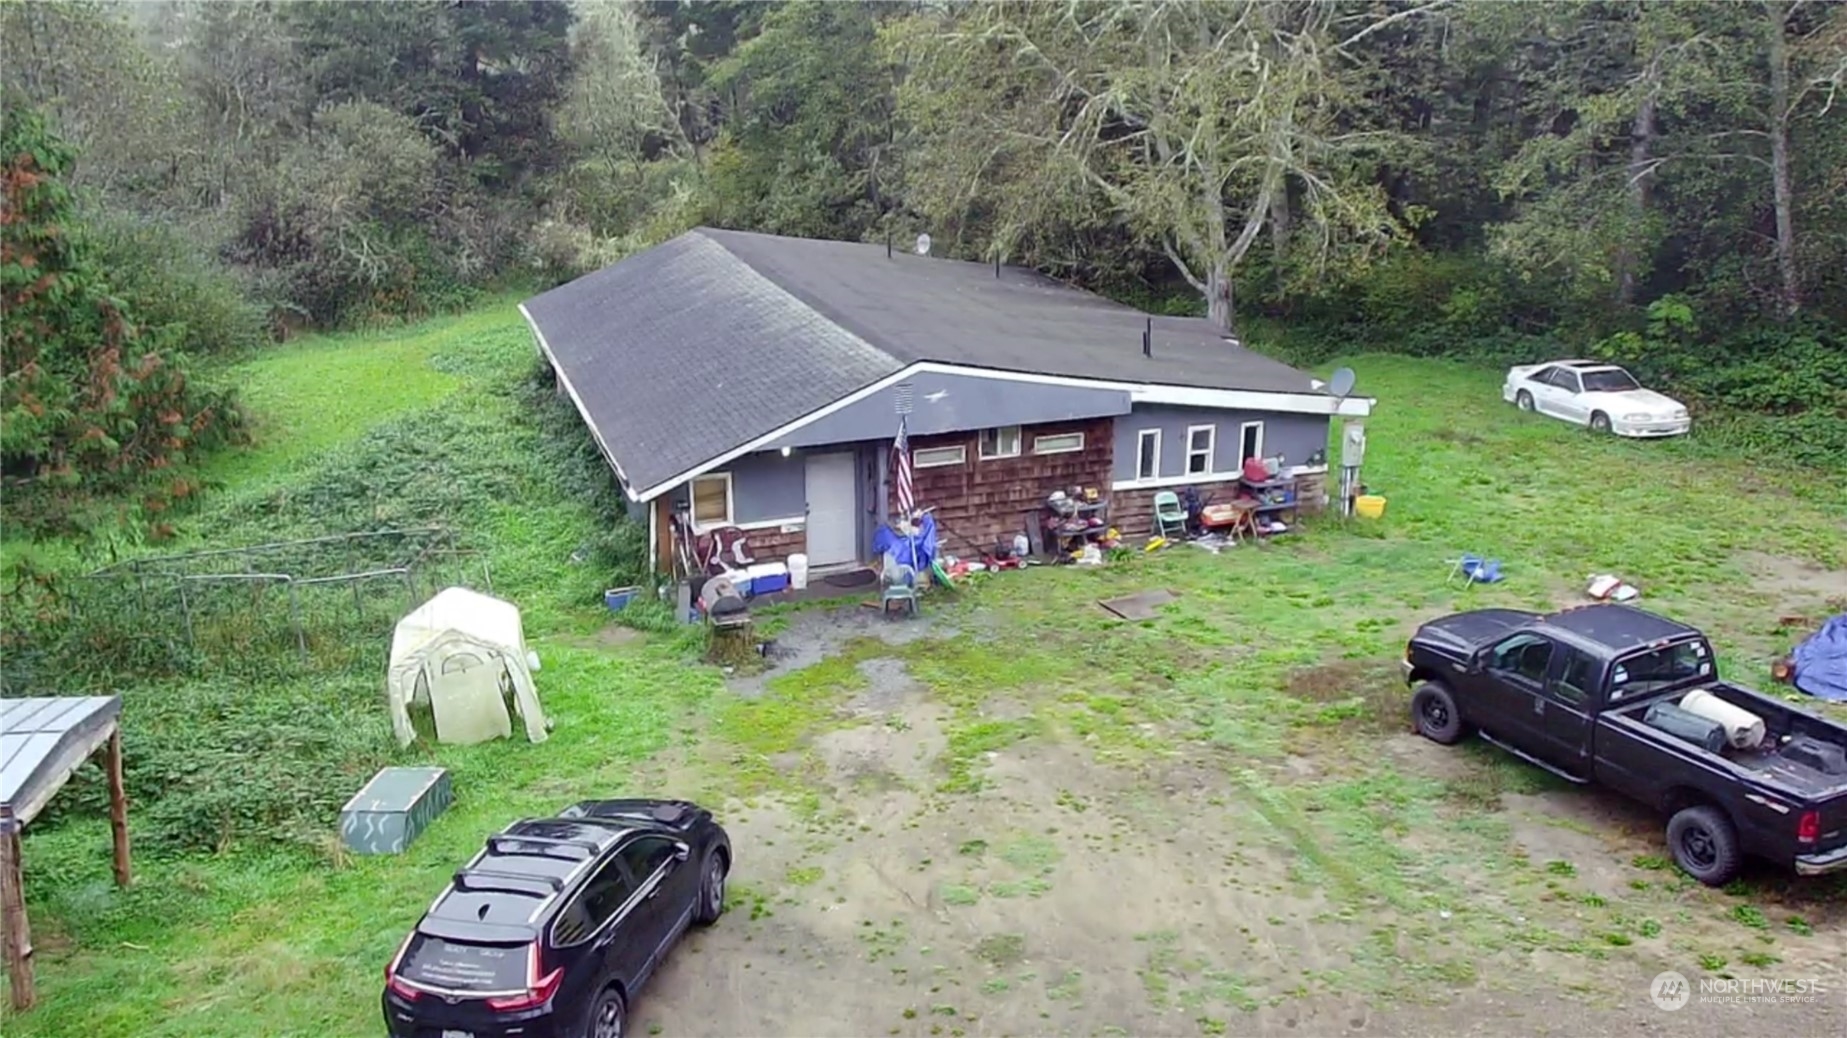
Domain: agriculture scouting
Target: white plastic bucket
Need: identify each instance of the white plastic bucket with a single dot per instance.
(798, 571)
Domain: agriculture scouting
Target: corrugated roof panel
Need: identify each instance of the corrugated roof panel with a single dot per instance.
(43, 739)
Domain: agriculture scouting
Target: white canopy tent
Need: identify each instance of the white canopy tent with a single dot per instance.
(464, 654)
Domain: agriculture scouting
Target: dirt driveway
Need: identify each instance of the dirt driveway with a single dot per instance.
(1142, 880)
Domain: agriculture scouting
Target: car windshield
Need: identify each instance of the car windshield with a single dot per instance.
(1614, 380)
(1659, 669)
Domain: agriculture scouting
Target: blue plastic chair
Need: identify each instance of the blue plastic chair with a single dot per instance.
(1475, 569)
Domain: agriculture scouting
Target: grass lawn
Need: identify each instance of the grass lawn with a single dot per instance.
(1020, 815)
(311, 397)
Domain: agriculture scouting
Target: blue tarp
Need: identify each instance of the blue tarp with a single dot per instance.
(888, 541)
(1821, 661)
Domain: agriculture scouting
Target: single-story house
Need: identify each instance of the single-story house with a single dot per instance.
(756, 382)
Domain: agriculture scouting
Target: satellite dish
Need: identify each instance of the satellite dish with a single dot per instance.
(1341, 383)
(923, 245)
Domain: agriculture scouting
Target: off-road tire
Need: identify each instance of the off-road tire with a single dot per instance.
(1704, 844)
(1435, 715)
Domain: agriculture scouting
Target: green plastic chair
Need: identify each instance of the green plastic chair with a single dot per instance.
(898, 588)
(1168, 514)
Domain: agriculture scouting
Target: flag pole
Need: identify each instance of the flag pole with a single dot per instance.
(907, 494)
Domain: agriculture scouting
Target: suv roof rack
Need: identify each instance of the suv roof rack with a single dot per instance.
(497, 880)
(615, 825)
(670, 812)
(543, 843)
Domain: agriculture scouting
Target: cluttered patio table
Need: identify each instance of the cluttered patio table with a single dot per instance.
(1232, 519)
(1075, 525)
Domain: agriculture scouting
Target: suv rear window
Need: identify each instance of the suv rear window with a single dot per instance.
(464, 967)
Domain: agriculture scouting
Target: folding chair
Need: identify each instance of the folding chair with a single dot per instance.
(1168, 515)
(1473, 569)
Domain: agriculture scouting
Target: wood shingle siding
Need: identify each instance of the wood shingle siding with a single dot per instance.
(1132, 511)
(772, 545)
(982, 502)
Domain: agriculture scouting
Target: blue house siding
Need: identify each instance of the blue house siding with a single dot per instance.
(942, 403)
(769, 495)
(766, 486)
(1294, 436)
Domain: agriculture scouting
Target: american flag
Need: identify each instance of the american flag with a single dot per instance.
(901, 457)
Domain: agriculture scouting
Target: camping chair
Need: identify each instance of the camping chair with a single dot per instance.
(1168, 515)
(1473, 569)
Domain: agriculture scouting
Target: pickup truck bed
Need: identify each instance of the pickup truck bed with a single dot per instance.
(1770, 762)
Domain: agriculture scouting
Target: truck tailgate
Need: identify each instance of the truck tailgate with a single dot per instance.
(1822, 845)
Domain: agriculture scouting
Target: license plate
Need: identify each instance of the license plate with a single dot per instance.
(457, 1034)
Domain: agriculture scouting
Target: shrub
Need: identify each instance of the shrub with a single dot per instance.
(222, 761)
(93, 398)
(362, 221)
(169, 281)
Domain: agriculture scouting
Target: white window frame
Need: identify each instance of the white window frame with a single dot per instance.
(1140, 438)
(1073, 449)
(692, 501)
(1210, 451)
(1018, 440)
(960, 451)
(1258, 425)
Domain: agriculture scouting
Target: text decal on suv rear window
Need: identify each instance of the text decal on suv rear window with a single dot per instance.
(465, 967)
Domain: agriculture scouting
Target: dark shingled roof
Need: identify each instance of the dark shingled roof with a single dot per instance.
(697, 346)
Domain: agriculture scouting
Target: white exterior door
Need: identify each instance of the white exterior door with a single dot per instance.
(833, 509)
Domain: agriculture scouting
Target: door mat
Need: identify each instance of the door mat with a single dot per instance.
(851, 578)
(1143, 606)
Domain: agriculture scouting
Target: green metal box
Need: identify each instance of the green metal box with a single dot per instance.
(393, 808)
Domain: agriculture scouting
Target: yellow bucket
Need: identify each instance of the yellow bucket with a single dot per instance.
(1369, 506)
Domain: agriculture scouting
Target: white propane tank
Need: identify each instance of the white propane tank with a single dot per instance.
(1743, 729)
(798, 571)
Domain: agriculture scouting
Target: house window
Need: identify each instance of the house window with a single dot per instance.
(712, 500)
(1003, 442)
(1058, 443)
(1148, 454)
(939, 457)
(1250, 441)
(1200, 441)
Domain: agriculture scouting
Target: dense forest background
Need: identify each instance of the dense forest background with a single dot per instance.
(1663, 184)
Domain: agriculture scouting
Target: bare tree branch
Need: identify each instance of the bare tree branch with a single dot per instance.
(1390, 20)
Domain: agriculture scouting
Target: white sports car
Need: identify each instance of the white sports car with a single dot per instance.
(1602, 396)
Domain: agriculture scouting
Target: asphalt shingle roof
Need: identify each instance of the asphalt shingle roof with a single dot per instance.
(699, 345)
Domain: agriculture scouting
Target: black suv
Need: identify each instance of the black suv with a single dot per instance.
(552, 929)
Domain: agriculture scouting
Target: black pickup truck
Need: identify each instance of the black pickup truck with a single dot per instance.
(1623, 698)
